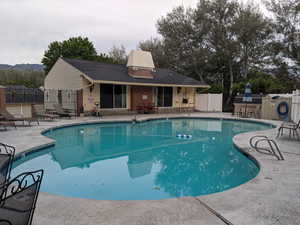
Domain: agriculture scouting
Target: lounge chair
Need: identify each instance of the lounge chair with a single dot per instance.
(20, 202)
(61, 112)
(6, 124)
(9, 117)
(7, 154)
(291, 127)
(43, 115)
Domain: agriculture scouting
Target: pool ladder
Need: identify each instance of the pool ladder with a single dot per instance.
(273, 147)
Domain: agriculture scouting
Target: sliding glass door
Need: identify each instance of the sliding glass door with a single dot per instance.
(119, 96)
(106, 96)
(112, 96)
(164, 96)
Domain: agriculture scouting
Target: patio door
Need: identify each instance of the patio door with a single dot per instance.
(113, 96)
(164, 96)
(106, 96)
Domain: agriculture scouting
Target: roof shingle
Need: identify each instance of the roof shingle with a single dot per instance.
(119, 73)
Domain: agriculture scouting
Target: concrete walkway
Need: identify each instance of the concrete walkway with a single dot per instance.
(271, 198)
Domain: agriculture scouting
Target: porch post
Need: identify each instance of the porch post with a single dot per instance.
(2, 97)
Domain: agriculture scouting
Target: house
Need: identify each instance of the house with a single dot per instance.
(87, 85)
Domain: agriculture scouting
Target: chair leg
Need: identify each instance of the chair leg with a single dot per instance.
(297, 133)
(278, 132)
(293, 133)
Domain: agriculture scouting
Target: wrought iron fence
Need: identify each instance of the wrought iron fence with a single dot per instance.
(67, 99)
(24, 95)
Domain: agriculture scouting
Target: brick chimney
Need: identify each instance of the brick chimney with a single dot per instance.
(140, 64)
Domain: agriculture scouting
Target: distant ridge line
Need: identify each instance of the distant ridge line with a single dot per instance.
(28, 67)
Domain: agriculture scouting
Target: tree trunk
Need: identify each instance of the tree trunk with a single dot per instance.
(231, 83)
(199, 73)
(245, 75)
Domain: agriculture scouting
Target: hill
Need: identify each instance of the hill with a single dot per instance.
(27, 67)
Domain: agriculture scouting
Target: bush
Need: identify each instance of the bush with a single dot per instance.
(214, 89)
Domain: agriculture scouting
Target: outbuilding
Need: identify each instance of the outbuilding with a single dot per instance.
(88, 85)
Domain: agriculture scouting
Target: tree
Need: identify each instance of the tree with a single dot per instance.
(31, 79)
(102, 57)
(253, 32)
(118, 54)
(75, 47)
(261, 83)
(218, 42)
(157, 49)
(183, 40)
(223, 42)
(286, 19)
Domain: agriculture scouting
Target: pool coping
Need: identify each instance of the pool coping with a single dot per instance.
(238, 140)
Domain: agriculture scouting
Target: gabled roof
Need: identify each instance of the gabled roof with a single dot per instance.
(114, 73)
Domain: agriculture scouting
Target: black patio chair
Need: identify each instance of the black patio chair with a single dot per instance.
(21, 197)
(5, 222)
(291, 127)
(7, 154)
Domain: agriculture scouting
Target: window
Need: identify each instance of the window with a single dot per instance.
(112, 96)
(164, 96)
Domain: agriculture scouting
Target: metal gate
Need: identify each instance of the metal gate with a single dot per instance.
(68, 99)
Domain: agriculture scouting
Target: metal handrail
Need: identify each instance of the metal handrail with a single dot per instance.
(273, 150)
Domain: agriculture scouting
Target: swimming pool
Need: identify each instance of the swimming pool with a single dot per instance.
(156, 159)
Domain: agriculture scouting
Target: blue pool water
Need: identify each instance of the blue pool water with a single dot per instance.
(125, 161)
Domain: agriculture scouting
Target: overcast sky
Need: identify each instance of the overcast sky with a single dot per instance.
(28, 26)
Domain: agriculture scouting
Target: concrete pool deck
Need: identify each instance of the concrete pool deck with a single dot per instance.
(272, 198)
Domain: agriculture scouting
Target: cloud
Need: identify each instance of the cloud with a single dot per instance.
(28, 26)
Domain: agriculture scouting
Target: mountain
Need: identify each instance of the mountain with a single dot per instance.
(34, 67)
(5, 67)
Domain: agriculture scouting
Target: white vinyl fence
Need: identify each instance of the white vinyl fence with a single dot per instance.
(209, 102)
(296, 106)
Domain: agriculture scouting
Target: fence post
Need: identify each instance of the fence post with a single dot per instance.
(2, 97)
